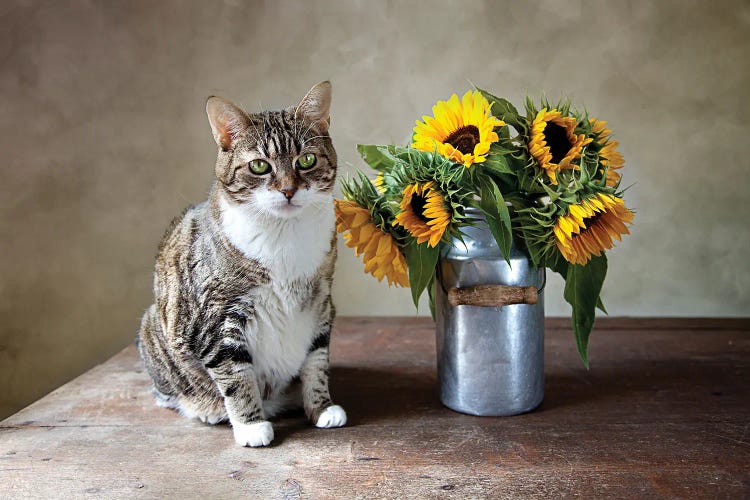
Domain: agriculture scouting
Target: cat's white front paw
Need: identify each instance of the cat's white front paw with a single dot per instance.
(256, 434)
(333, 416)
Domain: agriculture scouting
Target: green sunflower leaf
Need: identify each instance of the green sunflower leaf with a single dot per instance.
(492, 203)
(431, 295)
(600, 305)
(503, 132)
(496, 164)
(502, 108)
(533, 249)
(583, 285)
(559, 265)
(380, 158)
(422, 261)
(497, 149)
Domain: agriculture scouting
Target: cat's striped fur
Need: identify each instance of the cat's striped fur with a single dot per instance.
(242, 317)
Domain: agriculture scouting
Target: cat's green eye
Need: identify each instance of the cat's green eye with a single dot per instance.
(260, 167)
(306, 161)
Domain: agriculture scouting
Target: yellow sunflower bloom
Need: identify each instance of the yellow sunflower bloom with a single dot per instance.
(608, 155)
(553, 142)
(382, 256)
(423, 213)
(589, 227)
(460, 130)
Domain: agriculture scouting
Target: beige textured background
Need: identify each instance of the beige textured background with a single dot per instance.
(104, 139)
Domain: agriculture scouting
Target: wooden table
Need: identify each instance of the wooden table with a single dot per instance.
(663, 412)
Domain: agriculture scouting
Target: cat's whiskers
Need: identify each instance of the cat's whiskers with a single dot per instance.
(311, 138)
(303, 135)
(295, 124)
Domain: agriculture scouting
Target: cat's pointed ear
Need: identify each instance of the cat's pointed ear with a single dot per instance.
(227, 121)
(316, 105)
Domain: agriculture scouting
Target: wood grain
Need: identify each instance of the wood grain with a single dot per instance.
(663, 412)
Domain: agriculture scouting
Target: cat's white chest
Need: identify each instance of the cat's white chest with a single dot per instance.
(289, 248)
(285, 316)
(280, 336)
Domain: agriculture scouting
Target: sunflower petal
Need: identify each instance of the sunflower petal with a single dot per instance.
(456, 116)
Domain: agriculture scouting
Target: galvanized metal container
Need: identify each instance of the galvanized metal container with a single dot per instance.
(490, 327)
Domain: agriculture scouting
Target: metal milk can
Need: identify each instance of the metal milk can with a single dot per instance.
(490, 326)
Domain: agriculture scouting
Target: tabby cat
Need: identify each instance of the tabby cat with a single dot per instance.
(242, 317)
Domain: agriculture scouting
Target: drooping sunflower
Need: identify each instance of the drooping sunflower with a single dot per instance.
(382, 256)
(608, 156)
(460, 130)
(554, 143)
(589, 227)
(423, 213)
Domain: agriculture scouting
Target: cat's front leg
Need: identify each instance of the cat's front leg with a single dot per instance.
(230, 365)
(316, 397)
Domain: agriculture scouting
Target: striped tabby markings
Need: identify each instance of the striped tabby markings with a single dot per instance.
(242, 317)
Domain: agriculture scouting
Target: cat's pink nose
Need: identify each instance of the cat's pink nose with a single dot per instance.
(288, 191)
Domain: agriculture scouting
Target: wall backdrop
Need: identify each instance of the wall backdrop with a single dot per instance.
(104, 139)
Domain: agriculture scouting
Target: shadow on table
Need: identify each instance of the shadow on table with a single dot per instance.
(369, 396)
(660, 382)
(376, 394)
(373, 395)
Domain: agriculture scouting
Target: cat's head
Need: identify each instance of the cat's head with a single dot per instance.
(276, 163)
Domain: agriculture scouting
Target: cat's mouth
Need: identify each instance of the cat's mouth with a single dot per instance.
(287, 209)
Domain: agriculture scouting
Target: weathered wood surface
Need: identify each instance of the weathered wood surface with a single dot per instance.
(664, 411)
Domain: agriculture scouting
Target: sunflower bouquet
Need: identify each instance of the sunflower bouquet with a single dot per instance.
(547, 179)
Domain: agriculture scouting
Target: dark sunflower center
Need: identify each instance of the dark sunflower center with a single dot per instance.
(417, 206)
(464, 139)
(557, 140)
(588, 222)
